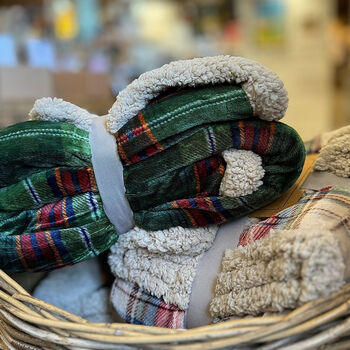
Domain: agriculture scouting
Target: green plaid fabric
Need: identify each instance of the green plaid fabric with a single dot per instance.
(171, 152)
(51, 213)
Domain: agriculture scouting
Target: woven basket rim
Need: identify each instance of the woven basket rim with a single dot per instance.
(30, 323)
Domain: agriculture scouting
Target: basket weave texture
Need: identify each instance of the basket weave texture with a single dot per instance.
(31, 324)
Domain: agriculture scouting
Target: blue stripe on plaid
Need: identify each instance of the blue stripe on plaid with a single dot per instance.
(33, 193)
(75, 181)
(69, 208)
(36, 248)
(52, 182)
(60, 246)
(84, 234)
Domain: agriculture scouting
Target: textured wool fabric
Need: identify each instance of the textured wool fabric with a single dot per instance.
(51, 213)
(283, 271)
(297, 260)
(171, 152)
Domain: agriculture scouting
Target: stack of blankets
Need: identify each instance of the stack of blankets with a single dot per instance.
(177, 173)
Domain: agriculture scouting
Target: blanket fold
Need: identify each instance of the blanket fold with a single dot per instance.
(51, 213)
(293, 257)
(173, 166)
(172, 128)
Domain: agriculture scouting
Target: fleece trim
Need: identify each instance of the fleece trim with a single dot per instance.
(243, 173)
(56, 109)
(163, 262)
(334, 155)
(265, 90)
(282, 271)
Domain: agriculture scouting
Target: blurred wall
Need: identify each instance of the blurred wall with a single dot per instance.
(301, 59)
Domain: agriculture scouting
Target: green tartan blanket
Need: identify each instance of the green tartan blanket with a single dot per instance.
(171, 152)
(51, 213)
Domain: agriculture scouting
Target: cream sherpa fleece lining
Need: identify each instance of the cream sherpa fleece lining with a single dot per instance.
(264, 89)
(287, 269)
(243, 173)
(55, 109)
(335, 154)
(162, 262)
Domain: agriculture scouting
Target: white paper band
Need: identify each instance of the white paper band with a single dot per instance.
(108, 171)
(320, 179)
(208, 269)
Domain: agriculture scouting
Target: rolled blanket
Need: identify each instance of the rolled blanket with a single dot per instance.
(198, 142)
(289, 259)
(164, 278)
(173, 167)
(280, 263)
(51, 213)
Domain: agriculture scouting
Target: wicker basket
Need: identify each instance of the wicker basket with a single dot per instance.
(29, 323)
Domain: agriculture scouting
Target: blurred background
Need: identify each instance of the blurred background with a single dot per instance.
(86, 51)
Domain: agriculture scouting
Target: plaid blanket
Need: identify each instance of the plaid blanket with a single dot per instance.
(330, 205)
(304, 257)
(171, 152)
(137, 306)
(51, 213)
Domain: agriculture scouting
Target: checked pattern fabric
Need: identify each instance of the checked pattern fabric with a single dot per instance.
(171, 152)
(51, 213)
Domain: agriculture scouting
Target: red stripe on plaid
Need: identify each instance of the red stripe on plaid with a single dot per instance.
(20, 253)
(190, 217)
(92, 179)
(151, 150)
(271, 136)
(135, 158)
(262, 142)
(248, 137)
(44, 218)
(201, 203)
(27, 249)
(258, 231)
(83, 180)
(200, 219)
(214, 164)
(43, 221)
(132, 298)
(57, 212)
(196, 177)
(44, 246)
(66, 177)
(241, 133)
(202, 169)
(162, 317)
